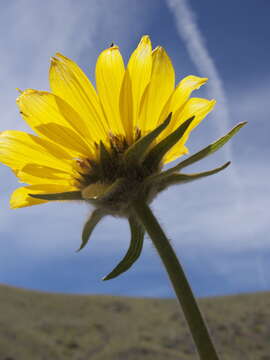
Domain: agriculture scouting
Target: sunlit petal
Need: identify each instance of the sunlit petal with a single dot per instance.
(194, 107)
(140, 67)
(110, 71)
(18, 148)
(70, 83)
(159, 90)
(51, 117)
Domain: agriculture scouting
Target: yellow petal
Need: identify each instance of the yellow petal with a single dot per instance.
(184, 89)
(194, 107)
(159, 90)
(36, 174)
(126, 107)
(140, 67)
(18, 148)
(70, 83)
(197, 107)
(110, 71)
(44, 112)
(175, 152)
(20, 197)
(181, 95)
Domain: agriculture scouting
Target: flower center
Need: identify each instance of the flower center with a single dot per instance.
(111, 171)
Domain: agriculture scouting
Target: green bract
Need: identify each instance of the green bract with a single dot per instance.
(136, 174)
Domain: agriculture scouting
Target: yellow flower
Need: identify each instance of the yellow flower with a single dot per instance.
(74, 118)
(107, 145)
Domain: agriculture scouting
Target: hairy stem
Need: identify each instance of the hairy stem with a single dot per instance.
(179, 281)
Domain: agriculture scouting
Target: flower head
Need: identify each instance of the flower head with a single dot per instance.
(106, 145)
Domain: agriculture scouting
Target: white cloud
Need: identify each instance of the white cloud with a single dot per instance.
(208, 213)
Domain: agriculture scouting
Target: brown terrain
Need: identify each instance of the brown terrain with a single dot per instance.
(45, 326)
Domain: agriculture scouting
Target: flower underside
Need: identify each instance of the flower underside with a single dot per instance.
(109, 166)
(121, 173)
(112, 167)
(74, 119)
(107, 145)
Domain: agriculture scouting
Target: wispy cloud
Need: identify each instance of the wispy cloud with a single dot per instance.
(190, 33)
(210, 215)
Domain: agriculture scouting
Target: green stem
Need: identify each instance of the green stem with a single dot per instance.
(179, 281)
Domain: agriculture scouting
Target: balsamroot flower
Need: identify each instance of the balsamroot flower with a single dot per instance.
(107, 145)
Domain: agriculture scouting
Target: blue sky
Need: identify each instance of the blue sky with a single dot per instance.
(219, 225)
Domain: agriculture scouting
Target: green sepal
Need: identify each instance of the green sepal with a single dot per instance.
(208, 150)
(105, 157)
(68, 195)
(134, 250)
(113, 190)
(89, 226)
(136, 152)
(155, 155)
(167, 180)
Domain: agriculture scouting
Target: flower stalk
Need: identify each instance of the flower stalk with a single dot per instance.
(194, 318)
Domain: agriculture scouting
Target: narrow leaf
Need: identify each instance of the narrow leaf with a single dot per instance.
(156, 154)
(208, 150)
(89, 226)
(134, 250)
(69, 195)
(138, 149)
(176, 178)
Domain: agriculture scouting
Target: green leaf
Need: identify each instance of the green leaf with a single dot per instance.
(135, 153)
(89, 226)
(208, 150)
(134, 250)
(69, 195)
(171, 179)
(155, 155)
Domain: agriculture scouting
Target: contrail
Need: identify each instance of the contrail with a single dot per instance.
(189, 31)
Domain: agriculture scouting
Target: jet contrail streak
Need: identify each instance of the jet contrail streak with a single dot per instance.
(188, 30)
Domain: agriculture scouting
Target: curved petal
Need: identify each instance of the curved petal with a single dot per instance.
(159, 90)
(176, 151)
(181, 94)
(197, 107)
(184, 89)
(140, 67)
(110, 71)
(21, 198)
(44, 111)
(194, 107)
(70, 83)
(18, 148)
